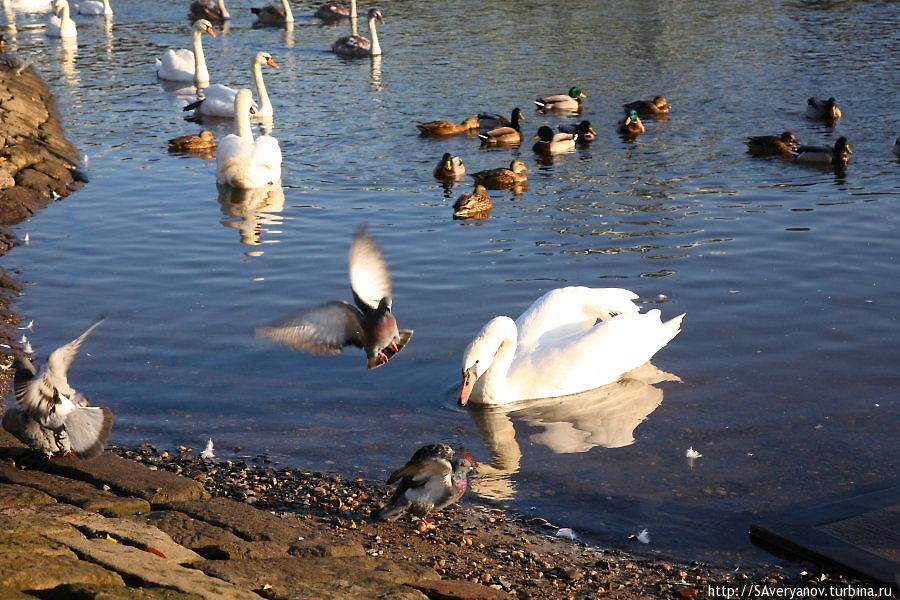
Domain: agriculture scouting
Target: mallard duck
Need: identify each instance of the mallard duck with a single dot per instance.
(568, 101)
(632, 125)
(450, 167)
(584, 130)
(553, 143)
(509, 134)
(333, 12)
(657, 106)
(493, 120)
(473, 205)
(274, 15)
(822, 110)
(356, 46)
(839, 154)
(193, 143)
(447, 127)
(767, 145)
(498, 179)
(209, 10)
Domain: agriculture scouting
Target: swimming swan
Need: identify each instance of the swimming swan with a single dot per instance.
(61, 24)
(187, 65)
(241, 161)
(218, 99)
(570, 340)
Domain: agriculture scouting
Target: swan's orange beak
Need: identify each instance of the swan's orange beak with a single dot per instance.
(210, 31)
(468, 383)
(272, 63)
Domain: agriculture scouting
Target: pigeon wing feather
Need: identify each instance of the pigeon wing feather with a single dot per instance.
(324, 329)
(370, 277)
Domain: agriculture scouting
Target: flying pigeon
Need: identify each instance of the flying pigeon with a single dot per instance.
(432, 480)
(52, 417)
(327, 328)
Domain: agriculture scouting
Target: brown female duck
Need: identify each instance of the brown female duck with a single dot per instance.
(473, 205)
(649, 108)
(499, 179)
(448, 127)
(203, 142)
(770, 145)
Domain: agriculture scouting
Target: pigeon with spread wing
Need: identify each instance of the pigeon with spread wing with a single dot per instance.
(52, 417)
(370, 325)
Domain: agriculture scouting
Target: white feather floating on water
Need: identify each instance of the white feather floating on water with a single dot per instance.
(208, 452)
(566, 533)
(691, 453)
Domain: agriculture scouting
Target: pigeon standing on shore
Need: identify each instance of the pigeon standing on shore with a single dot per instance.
(52, 417)
(327, 328)
(432, 480)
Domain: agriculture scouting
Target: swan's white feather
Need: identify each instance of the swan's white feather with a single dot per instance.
(244, 164)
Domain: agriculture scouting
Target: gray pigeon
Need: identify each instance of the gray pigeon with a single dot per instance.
(327, 328)
(432, 480)
(52, 417)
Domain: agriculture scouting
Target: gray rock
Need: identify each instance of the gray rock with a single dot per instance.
(41, 572)
(12, 495)
(134, 532)
(243, 520)
(151, 570)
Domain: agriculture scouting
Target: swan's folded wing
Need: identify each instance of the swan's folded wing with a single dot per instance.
(325, 329)
(563, 312)
(267, 159)
(370, 277)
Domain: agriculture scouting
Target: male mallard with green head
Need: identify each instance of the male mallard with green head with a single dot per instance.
(450, 167)
(568, 101)
(632, 125)
(553, 143)
(510, 134)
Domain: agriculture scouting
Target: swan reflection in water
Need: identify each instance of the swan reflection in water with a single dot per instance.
(606, 416)
(252, 211)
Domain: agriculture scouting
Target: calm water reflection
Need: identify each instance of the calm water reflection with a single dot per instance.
(787, 274)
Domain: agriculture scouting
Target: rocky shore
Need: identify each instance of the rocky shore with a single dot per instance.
(147, 524)
(138, 523)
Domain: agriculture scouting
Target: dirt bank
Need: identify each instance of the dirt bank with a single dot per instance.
(37, 166)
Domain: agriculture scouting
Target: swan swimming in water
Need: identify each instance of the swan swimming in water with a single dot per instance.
(218, 99)
(241, 161)
(187, 65)
(61, 24)
(570, 340)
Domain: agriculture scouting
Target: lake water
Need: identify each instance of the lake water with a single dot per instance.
(788, 274)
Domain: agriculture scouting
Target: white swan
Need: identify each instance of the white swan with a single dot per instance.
(187, 65)
(358, 46)
(218, 100)
(28, 5)
(570, 340)
(61, 24)
(241, 161)
(95, 7)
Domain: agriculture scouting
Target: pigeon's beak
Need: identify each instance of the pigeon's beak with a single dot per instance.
(468, 383)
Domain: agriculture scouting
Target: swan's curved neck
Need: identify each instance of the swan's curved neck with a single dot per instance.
(222, 9)
(64, 12)
(376, 47)
(201, 74)
(354, 20)
(265, 105)
(494, 390)
(107, 9)
(288, 15)
(492, 352)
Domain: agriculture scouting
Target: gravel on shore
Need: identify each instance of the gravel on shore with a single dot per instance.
(511, 553)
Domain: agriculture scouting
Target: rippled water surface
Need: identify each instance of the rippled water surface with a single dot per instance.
(788, 275)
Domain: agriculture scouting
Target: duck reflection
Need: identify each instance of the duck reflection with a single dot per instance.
(605, 417)
(252, 211)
